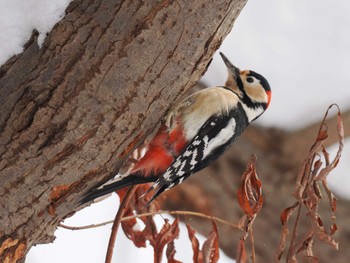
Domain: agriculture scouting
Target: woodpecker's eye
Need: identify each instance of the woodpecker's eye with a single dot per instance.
(250, 79)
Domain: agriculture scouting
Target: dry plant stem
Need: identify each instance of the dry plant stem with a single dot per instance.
(118, 218)
(251, 234)
(187, 213)
(291, 245)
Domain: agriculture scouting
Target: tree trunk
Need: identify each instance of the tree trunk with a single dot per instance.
(280, 154)
(72, 110)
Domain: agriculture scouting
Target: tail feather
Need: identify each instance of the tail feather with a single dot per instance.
(107, 188)
(156, 194)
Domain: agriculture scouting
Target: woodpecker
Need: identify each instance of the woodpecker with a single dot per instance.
(196, 132)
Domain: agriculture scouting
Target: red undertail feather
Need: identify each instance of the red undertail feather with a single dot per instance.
(162, 150)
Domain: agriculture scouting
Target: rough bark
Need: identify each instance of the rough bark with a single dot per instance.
(280, 153)
(74, 108)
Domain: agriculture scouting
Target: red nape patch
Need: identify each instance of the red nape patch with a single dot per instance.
(269, 94)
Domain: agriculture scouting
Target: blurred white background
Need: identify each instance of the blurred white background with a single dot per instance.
(301, 47)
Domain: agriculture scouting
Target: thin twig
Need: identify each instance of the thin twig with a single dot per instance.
(294, 235)
(117, 220)
(86, 226)
(251, 234)
(188, 213)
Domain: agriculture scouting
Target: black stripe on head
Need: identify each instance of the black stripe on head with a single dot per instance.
(253, 105)
(263, 81)
(240, 83)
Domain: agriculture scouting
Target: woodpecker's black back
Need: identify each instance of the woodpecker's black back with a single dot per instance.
(213, 138)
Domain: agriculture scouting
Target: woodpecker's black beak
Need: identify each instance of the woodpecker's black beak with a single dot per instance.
(234, 79)
(233, 71)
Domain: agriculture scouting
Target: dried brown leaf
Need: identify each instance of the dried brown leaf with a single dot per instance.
(333, 205)
(130, 227)
(325, 155)
(318, 229)
(284, 217)
(340, 130)
(334, 228)
(305, 244)
(166, 235)
(322, 135)
(210, 248)
(286, 213)
(250, 199)
(134, 235)
(170, 253)
(250, 192)
(312, 196)
(197, 253)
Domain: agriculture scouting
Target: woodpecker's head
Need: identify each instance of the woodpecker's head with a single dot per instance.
(252, 88)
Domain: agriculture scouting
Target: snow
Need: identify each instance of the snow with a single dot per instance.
(91, 245)
(18, 19)
(301, 47)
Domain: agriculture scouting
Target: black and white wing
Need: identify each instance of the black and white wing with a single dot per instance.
(212, 139)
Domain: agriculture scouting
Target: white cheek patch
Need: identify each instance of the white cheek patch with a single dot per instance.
(256, 92)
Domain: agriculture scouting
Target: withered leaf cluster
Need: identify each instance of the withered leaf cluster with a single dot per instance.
(250, 199)
(310, 183)
(164, 238)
